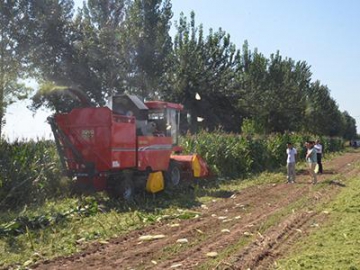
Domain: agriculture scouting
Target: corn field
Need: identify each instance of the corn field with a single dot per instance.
(30, 172)
(233, 155)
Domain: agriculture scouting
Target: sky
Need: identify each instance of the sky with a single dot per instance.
(324, 33)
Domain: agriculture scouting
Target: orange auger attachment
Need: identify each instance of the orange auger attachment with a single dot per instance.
(194, 163)
(199, 166)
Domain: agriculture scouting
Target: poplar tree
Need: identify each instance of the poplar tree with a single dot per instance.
(12, 55)
(147, 47)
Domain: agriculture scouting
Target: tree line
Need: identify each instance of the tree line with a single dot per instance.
(109, 47)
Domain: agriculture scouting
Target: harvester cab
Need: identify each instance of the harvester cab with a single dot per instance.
(153, 118)
(128, 144)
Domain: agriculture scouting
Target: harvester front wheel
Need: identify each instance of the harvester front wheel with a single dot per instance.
(173, 174)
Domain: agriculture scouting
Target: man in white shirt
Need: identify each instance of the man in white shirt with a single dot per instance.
(291, 154)
(319, 151)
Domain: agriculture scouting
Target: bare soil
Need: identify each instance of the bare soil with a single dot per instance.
(260, 224)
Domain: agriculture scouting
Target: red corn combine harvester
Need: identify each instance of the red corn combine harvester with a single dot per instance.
(128, 145)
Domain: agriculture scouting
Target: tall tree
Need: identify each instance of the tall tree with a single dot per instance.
(203, 70)
(251, 82)
(116, 46)
(88, 53)
(350, 126)
(322, 114)
(50, 35)
(12, 65)
(285, 94)
(272, 92)
(111, 47)
(148, 46)
(99, 47)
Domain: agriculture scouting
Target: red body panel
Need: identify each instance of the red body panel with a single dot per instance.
(154, 152)
(109, 141)
(103, 138)
(87, 133)
(123, 142)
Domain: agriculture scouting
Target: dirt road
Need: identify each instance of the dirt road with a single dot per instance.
(249, 230)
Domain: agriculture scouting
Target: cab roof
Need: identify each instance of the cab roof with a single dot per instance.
(163, 105)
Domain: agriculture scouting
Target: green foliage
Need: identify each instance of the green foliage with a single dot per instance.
(251, 127)
(349, 132)
(233, 155)
(83, 51)
(29, 172)
(204, 67)
(62, 227)
(272, 92)
(114, 46)
(24, 222)
(109, 47)
(147, 46)
(12, 57)
(323, 116)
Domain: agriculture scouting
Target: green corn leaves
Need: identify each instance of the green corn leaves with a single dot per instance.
(234, 155)
(29, 172)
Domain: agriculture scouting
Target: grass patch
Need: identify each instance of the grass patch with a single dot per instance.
(336, 245)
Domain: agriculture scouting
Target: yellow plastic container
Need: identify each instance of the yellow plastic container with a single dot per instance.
(155, 182)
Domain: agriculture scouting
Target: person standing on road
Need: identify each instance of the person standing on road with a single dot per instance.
(291, 159)
(319, 153)
(311, 160)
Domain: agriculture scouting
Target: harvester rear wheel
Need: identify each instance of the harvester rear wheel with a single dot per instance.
(173, 174)
(121, 186)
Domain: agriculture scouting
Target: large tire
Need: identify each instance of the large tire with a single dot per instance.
(173, 174)
(121, 187)
(126, 190)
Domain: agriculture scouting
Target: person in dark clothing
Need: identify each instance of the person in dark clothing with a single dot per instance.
(319, 153)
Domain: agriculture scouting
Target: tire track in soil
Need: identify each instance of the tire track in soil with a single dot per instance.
(208, 224)
(264, 251)
(163, 228)
(254, 205)
(198, 257)
(217, 241)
